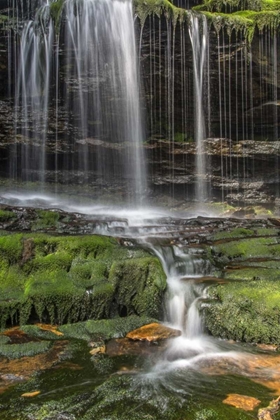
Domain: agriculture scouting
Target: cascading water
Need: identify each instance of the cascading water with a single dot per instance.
(33, 92)
(184, 269)
(96, 83)
(102, 84)
(199, 48)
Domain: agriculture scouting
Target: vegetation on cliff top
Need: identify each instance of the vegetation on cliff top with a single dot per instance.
(241, 16)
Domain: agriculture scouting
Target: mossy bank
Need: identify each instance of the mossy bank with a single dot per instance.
(62, 279)
(246, 306)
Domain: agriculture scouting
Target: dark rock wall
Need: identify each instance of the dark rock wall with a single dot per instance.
(241, 91)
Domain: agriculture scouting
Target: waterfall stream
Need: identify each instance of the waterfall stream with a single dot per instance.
(94, 85)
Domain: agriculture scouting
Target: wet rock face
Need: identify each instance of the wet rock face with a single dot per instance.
(242, 90)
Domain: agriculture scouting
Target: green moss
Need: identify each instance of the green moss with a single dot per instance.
(235, 233)
(104, 329)
(15, 351)
(253, 273)
(6, 215)
(69, 279)
(243, 249)
(145, 8)
(56, 9)
(4, 339)
(36, 332)
(46, 219)
(139, 286)
(247, 312)
(11, 248)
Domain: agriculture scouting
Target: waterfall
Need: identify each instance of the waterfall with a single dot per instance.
(199, 47)
(32, 92)
(102, 83)
(90, 70)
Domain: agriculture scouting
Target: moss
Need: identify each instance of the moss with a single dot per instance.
(46, 219)
(56, 9)
(145, 8)
(235, 233)
(6, 215)
(15, 351)
(247, 312)
(4, 339)
(104, 329)
(243, 21)
(11, 248)
(62, 279)
(37, 332)
(240, 250)
(255, 273)
(139, 286)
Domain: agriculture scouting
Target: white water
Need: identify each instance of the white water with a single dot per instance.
(199, 48)
(103, 86)
(33, 93)
(184, 267)
(96, 86)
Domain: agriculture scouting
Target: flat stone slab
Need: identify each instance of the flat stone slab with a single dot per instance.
(153, 332)
(242, 401)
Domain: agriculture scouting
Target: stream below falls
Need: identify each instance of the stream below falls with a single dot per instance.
(193, 377)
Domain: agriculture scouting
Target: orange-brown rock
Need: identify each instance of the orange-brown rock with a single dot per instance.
(51, 328)
(242, 401)
(98, 350)
(31, 394)
(153, 332)
(121, 346)
(267, 347)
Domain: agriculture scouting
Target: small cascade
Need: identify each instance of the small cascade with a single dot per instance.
(199, 43)
(183, 268)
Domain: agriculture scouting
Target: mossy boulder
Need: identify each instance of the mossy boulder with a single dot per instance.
(246, 311)
(247, 306)
(63, 279)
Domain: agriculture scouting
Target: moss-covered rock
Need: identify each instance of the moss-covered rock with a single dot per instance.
(247, 306)
(6, 215)
(68, 279)
(104, 329)
(16, 351)
(145, 8)
(246, 311)
(241, 16)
